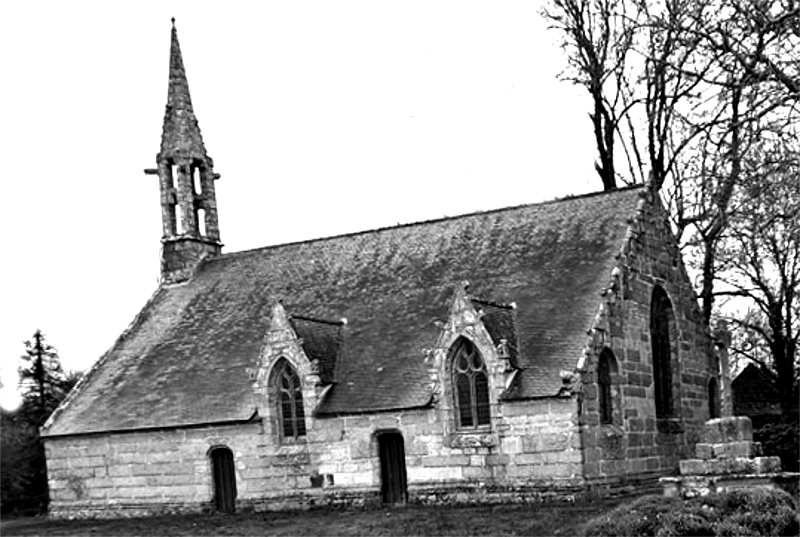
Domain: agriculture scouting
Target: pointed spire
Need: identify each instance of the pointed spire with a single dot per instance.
(181, 135)
(186, 179)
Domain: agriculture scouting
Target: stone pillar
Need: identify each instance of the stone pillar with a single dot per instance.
(209, 201)
(168, 197)
(185, 188)
(722, 341)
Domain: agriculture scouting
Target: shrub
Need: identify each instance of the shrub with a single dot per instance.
(690, 522)
(740, 512)
(781, 438)
(756, 512)
(643, 516)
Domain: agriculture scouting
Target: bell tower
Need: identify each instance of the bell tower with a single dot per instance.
(186, 178)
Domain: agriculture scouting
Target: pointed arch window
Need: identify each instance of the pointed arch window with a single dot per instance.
(606, 368)
(713, 399)
(288, 394)
(660, 317)
(470, 385)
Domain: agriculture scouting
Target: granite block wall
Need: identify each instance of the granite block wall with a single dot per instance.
(638, 444)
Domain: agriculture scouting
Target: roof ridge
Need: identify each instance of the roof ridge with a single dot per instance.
(498, 305)
(340, 322)
(233, 255)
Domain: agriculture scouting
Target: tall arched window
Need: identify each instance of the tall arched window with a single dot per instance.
(606, 367)
(288, 393)
(660, 317)
(713, 399)
(470, 385)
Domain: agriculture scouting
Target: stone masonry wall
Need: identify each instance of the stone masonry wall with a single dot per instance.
(147, 472)
(637, 445)
(126, 474)
(531, 450)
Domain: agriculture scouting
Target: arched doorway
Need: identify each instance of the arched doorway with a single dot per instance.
(224, 475)
(392, 454)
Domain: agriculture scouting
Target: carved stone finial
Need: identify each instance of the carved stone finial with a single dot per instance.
(502, 349)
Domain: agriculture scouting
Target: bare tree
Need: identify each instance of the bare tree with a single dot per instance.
(684, 88)
(701, 97)
(597, 36)
(762, 264)
(752, 78)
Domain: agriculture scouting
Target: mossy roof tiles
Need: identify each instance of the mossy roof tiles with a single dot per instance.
(185, 359)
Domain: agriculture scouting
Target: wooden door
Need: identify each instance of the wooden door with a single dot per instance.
(224, 480)
(392, 455)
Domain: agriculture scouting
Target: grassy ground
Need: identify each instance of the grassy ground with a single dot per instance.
(539, 519)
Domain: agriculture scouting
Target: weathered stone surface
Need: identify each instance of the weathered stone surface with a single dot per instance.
(704, 451)
(744, 448)
(766, 465)
(728, 429)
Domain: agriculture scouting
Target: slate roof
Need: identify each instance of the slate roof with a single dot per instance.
(322, 341)
(500, 321)
(185, 358)
(753, 384)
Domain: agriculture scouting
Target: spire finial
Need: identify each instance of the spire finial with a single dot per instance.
(173, 22)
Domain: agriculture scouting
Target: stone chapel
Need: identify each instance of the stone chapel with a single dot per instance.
(516, 354)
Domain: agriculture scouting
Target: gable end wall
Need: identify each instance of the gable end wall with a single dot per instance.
(636, 446)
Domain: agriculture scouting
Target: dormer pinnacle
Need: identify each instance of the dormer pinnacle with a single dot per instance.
(186, 177)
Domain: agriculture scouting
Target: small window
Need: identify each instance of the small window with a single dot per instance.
(606, 367)
(200, 216)
(196, 183)
(470, 385)
(289, 398)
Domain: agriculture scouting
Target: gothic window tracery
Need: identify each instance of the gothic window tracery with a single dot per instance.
(288, 394)
(470, 386)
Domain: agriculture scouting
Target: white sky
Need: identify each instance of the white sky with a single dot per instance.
(322, 118)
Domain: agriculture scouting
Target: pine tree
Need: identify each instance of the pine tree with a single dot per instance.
(44, 384)
(42, 379)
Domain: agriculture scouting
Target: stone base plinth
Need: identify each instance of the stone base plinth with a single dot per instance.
(728, 459)
(730, 429)
(728, 466)
(744, 448)
(689, 486)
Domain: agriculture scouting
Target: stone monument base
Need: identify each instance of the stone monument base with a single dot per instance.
(728, 459)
